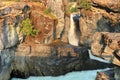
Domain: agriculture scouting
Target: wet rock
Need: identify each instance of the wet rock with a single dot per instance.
(117, 73)
(112, 74)
(105, 75)
(74, 32)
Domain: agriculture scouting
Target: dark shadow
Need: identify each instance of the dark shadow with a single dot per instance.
(56, 63)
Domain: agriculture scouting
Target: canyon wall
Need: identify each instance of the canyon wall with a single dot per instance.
(50, 52)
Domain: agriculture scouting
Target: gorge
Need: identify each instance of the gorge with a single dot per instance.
(54, 37)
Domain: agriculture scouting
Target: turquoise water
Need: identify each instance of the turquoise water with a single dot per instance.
(83, 75)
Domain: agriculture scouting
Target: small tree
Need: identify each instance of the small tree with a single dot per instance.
(27, 28)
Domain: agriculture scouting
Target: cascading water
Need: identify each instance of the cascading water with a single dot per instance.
(96, 58)
(74, 32)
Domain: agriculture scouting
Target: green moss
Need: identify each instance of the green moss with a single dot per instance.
(85, 4)
(27, 28)
(48, 11)
(73, 9)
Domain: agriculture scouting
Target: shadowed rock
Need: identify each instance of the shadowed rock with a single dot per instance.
(43, 60)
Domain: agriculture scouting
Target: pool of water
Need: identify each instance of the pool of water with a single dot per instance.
(80, 75)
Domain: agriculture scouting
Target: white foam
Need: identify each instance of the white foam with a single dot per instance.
(96, 58)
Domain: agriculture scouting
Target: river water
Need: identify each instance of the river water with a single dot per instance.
(80, 75)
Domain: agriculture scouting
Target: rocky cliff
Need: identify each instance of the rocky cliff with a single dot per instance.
(10, 18)
(63, 40)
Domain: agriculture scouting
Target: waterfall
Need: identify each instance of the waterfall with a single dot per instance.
(74, 32)
(96, 58)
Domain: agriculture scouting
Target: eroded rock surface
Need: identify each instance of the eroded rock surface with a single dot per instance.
(105, 75)
(106, 45)
(10, 18)
(109, 5)
(53, 59)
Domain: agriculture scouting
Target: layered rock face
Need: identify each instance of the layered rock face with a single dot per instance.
(106, 45)
(42, 54)
(54, 59)
(46, 25)
(110, 5)
(8, 38)
(58, 10)
(97, 20)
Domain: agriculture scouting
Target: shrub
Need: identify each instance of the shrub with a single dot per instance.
(27, 28)
(85, 4)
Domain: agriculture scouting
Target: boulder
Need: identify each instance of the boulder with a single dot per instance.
(105, 75)
(111, 74)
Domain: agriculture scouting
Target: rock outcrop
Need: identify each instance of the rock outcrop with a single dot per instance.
(112, 74)
(105, 75)
(44, 54)
(97, 20)
(10, 18)
(106, 45)
(46, 25)
(109, 5)
(54, 59)
(57, 7)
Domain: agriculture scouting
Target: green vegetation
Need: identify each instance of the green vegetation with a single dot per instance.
(17, 0)
(70, 9)
(48, 11)
(73, 9)
(84, 4)
(119, 9)
(27, 28)
(72, 0)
